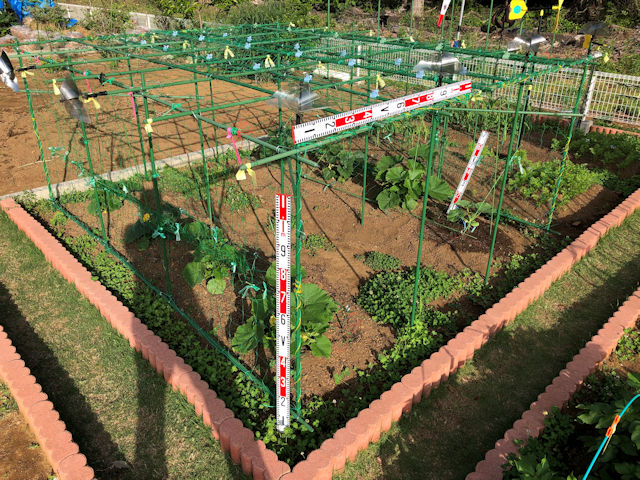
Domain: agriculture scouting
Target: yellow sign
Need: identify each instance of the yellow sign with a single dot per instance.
(517, 9)
(557, 7)
(587, 41)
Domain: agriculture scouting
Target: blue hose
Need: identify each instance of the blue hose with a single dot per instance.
(610, 431)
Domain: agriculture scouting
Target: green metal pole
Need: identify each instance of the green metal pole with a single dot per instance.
(364, 177)
(156, 192)
(504, 180)
(434, 129)
(565, 151)
(443, 142)
(35, 126)
(204, 159)
(486, 42)
(297, 328)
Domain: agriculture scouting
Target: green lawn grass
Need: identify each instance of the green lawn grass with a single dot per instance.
(114, 404)
(450, 431)
(117, 407)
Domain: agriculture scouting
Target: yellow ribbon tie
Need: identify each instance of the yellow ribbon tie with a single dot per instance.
(464, 45)
(56, 90)
(147, 125)
(557, 7)
(153, 37)
(24, 74)
(292, 25)
(242, 174)
(268, 63)
(185, 44)
(91, 99)
(228, 52)
(371, 33)
(411, 39)
(379, 81)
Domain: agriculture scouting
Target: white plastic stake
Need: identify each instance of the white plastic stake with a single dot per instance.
(283, 309)
(466, 176)
(443, 11)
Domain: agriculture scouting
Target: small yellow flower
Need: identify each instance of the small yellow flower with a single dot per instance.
(146, 217)
(272, 320)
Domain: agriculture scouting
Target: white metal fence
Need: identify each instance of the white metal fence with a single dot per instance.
(606, 96)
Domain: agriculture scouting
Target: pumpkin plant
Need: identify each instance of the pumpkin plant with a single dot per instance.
(317, 312)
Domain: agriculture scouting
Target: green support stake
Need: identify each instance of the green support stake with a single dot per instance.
(297, 326)
(514, 129)
(204, 160)
(434, 129)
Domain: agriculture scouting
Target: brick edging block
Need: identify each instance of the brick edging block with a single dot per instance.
(359, 432)
(560, 390)
(52, 434)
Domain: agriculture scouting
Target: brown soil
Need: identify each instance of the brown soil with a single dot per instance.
(21, 458)
(332, 212)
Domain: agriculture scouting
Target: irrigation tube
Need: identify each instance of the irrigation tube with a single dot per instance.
(610, 431)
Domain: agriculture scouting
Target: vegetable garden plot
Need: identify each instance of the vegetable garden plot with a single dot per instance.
(196, 243)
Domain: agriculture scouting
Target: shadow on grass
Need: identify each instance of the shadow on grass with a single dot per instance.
(87, 431)
(451, 430)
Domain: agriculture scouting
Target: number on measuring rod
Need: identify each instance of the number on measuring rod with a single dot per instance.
(283, 309)
(361, 116)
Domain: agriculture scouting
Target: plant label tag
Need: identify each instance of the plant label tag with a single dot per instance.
(322, 127)
(466, 176)
(283, 309)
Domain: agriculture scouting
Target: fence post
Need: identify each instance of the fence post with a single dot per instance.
(587, 103)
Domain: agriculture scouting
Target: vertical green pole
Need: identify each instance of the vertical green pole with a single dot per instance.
(504, 179)
(486, 42)
(434, 129)
(378, 34)
(280, 129)
(156, 191)
(451, 21)
(204, 159)
(328, 14)
(35, 126)
(85, 140)
(364, 178)
(565, 151)
(443, 142)
(297, 329)
(135, 106)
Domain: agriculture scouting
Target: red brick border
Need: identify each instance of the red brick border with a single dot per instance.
(560, 390)
(253, 455)
(593, 128)
(56, 442)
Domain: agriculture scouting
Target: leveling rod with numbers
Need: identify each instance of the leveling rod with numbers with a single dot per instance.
(363, 115)
(283, 309)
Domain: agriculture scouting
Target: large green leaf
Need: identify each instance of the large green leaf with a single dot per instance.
(387, 199)
(245, 339)
(384, 164)
(317, 306)
(321, 347)
(216, 286)
(439, 189)
(193, 273)
(394, 174)
(421, 151)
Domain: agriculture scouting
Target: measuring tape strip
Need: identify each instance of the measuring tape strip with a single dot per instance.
(283, 310)
(363, 115)
(466, 176)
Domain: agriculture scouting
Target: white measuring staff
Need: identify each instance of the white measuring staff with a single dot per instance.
(283, 309)
(466, 176)
(363, 115)
(443, 11)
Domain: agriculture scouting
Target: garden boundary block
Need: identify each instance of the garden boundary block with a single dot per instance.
(52, 434)
(359, 432)
(592, 128)
(560, 390)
